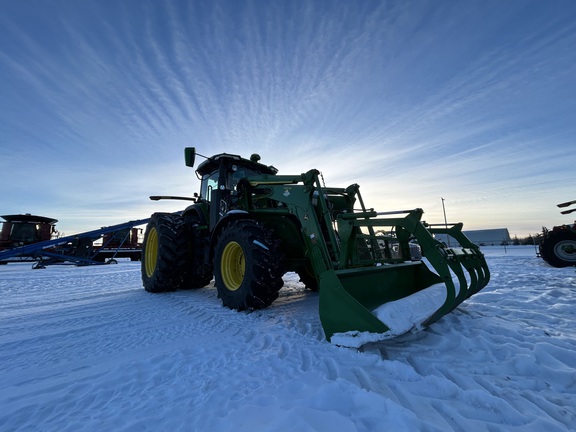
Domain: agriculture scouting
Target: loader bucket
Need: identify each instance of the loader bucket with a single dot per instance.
(349, 299)
(380, 302)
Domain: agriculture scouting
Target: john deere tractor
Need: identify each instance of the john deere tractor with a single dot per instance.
(248, 226)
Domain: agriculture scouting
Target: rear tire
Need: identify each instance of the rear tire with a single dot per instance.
(247, 266)
(164, 253)
(559, 248)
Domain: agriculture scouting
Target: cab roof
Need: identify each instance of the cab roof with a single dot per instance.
(28, 218)
(213, 164)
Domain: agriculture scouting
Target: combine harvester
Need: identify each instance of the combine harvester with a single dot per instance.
(248, 226)
(29, 238)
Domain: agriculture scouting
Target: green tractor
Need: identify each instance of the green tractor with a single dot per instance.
(248, 226)
(558, 245)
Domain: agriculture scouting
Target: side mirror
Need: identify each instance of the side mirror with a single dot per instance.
(189, 156)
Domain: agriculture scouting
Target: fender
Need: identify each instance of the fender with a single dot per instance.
(229, 217)
(200, 210)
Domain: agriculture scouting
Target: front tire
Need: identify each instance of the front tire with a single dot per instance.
(247, 266)
(308, 278)
(559, 248)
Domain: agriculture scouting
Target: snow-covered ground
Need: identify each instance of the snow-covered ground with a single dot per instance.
(86, 349)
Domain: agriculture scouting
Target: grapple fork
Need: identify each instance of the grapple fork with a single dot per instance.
(352, 294)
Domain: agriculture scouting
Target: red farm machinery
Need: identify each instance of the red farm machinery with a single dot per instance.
(35, 238)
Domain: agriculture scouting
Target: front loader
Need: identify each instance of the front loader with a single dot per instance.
(248, 226)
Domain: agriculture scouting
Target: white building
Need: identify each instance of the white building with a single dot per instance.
(487, 237)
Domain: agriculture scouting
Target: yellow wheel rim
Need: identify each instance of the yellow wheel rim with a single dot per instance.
(232, 266)
(151, 252)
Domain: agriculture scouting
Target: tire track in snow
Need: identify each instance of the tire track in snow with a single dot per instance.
(186, 347)
(79, 327)
(172, 330)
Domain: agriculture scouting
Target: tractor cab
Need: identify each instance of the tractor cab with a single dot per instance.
(220, 175)
(224, 171)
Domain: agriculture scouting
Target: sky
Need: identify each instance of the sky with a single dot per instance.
(470, 101)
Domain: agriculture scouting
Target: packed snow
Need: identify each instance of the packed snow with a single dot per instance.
(400, 316)
(86, 349)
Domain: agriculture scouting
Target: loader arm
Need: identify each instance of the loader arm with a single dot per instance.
(293, 196)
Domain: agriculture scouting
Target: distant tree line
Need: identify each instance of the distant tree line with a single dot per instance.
(530, 240)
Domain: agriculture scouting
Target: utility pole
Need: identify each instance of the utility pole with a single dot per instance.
(445, 220)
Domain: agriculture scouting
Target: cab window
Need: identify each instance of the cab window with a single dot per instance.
(238, 175)
(209, 182)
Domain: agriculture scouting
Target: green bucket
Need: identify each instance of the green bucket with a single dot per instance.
(350, 297)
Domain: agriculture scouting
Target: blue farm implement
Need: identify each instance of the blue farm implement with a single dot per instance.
(28, 238)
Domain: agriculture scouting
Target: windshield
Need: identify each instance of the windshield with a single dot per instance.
(210, 181)
(24, 232)
(239, 174)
